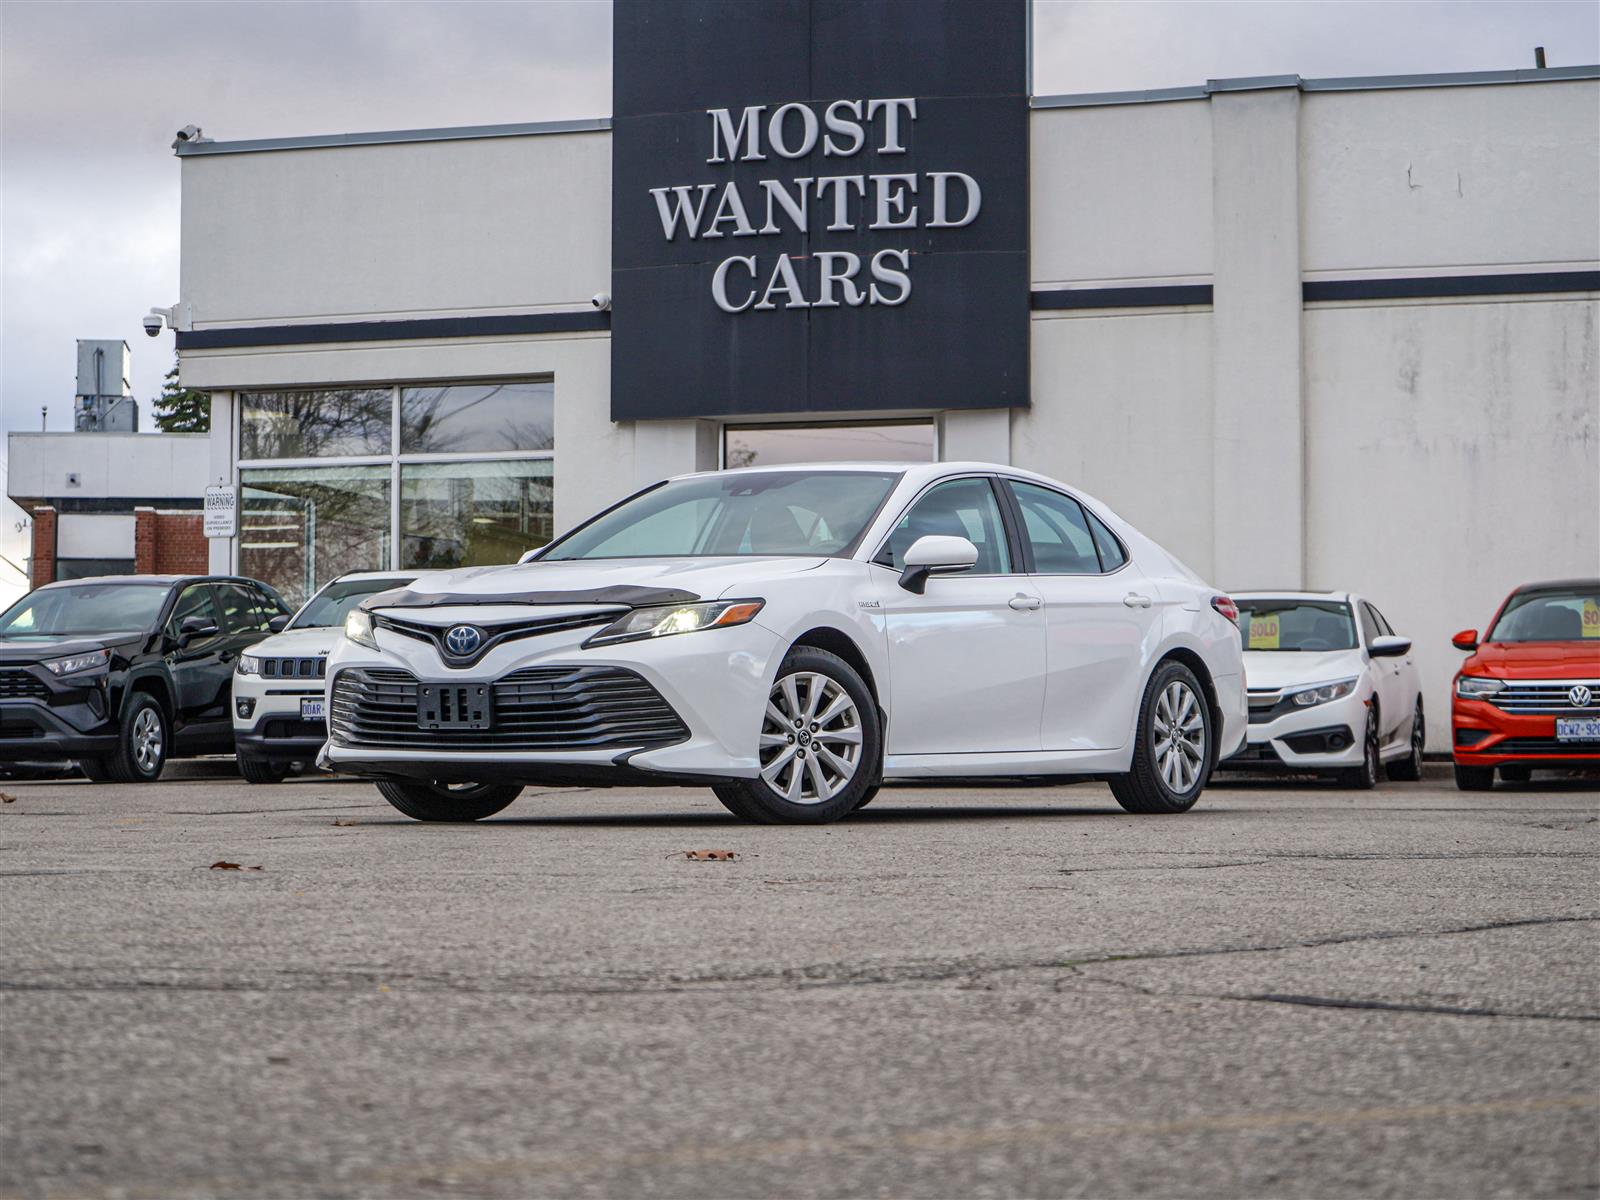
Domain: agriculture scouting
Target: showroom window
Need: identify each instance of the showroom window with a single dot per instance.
(387, 478)
(847, 441)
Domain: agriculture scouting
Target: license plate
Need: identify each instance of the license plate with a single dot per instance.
(453, 706)
(1580, 729)
(311, 710)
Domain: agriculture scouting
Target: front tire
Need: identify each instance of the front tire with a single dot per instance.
(457, 802)
(1474, 779)
(819, 745)
(1365, 777)
(261, 770)
(142, 742)
(1409, 768)
(1172, 745)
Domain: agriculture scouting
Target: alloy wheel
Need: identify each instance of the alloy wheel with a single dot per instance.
(147, 740)
(810, 738)
(1180, 736)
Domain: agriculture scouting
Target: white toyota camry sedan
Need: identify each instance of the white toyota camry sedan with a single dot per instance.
(793, 637)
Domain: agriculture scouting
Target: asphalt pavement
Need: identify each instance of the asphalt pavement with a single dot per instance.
(1291, 991)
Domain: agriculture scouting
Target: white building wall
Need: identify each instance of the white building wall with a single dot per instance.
(133, 465)
(94, 535)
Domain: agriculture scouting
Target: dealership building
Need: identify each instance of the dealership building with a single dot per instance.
(1307, 333)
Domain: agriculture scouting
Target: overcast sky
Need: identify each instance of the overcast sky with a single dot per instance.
(92, 93)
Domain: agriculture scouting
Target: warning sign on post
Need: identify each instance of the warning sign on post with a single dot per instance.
(222, 512)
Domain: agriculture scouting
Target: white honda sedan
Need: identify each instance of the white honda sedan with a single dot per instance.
(792, 637)
(1332, 690)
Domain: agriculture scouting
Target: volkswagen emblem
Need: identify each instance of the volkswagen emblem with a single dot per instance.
(1580, 696)
(462, 640)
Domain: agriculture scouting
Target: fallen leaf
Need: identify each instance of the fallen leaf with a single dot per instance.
(346, 821)
(7, 798)
(711, 855)
(224, 865)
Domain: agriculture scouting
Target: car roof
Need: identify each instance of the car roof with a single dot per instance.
(1557, 583)
(916, 472)
(360, 575)
(150, 580)
(1288, 594)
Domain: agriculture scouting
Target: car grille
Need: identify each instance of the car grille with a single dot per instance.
(1529, 745)
(294, 668)
(1545, 696)
(1268, 704)
(536, 708)
(18, 684)
(497, 633)
(288, 727)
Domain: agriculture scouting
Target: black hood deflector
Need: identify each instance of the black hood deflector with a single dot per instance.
(622, 595)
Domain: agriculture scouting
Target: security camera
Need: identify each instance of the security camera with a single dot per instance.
(154, 323)
(189, 133)
(601, 300)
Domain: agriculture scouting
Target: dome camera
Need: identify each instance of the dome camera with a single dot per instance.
(155, 321)
(601, 300)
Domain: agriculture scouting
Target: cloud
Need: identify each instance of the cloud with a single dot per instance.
(92, 93)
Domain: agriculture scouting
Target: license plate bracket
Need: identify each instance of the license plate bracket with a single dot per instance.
(1578, 729)
(312, 710)
(449, 707)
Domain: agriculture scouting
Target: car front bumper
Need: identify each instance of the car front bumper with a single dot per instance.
(1322, 737)
(54, 721)
(715, 682)
(1486, 736)
(267, 724)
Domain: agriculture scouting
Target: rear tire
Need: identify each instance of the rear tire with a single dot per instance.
(142, 742)
(819, 745)
(1409, 768)
(1172, 745)
(261, 770)
(457, 802)
(867, 797)
(1474, 779)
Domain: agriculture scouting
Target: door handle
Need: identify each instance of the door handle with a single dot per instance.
(1134, 600)
(1021, 602)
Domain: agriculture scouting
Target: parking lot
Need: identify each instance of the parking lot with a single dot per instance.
(1293, 990)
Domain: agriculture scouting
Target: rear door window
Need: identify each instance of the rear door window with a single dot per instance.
(1057, 530)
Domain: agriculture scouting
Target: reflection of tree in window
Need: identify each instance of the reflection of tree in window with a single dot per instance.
(314, 424)
(298, 533)
(473, 514)
(477, 417)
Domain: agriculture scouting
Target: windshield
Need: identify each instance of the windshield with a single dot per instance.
(1555, 615)
(329, 606)
(83, 608)
(762, 512)
(1296, 625)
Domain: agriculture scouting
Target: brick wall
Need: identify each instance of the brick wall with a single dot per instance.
(42, 568)
(170, 543)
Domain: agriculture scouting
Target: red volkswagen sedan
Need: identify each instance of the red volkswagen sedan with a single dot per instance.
(1529, 695)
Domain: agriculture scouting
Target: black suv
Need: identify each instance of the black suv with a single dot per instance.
(123, 672)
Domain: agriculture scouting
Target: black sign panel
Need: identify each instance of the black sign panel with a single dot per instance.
(818, 206)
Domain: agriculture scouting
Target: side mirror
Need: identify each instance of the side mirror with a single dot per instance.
(1466, 640)
(279, 623)
(529, 555)
(192, 628)
(1389, 647)
(936, 554)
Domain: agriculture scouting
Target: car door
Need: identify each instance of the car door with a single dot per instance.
(1102, 620)
(966, 657)
(200, 678)
(1397, 679)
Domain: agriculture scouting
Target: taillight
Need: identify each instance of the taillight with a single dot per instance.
(1226, 607)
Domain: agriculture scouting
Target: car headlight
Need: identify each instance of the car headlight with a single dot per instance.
(669, 619)
(74, 663)
(358, 628)
(1323, 692)
(249, 664)
(1477, 687)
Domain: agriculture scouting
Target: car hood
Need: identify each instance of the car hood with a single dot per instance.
(636, 581)
(37, 649)
(1535, 660)
(298, 643)
(1289, 668)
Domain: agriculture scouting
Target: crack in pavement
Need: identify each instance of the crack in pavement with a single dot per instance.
(815, 975)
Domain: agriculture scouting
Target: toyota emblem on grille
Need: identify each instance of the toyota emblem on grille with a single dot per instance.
(462, 640)
(1580, 696)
